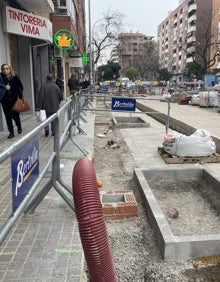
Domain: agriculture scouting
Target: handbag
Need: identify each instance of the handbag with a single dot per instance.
(21, 105)
(41, 115)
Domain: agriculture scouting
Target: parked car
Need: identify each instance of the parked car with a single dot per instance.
(131, 84)
(216, 87)
(146, 84)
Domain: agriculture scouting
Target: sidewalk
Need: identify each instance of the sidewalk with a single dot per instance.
(45, 245)
(143, 143)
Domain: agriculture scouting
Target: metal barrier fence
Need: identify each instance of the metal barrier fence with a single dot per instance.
(107, 105)
(66, 122)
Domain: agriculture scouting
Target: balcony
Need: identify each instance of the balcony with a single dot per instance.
(56, 3)
(191, 39)
(189, 60)
(191, 29)
(191, 49)
(192, 8)
(39, 6)
(191, 18)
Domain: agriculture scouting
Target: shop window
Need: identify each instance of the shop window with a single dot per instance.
(13, 52)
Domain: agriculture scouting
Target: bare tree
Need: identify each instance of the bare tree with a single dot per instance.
(146, 62)
(105, 33)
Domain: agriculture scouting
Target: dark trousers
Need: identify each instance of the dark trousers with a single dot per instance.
(10, 116)
(46, 128)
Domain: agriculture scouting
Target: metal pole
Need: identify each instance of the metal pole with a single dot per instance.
(90, 48)
(168, 116)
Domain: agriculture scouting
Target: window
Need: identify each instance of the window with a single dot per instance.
(62, 3)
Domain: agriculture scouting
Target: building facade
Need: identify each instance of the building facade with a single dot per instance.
(114, 55)
(129, 46)
(186, 35)
(172, 33)
(22, 28)
(215, 48)
(69, 15)
(27, 41)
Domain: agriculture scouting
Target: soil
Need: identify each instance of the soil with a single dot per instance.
(198, 219)
(134, 248)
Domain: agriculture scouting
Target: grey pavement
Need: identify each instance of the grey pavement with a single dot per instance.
(143, 143)
(45, 245)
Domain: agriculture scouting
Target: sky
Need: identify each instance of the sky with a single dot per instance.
(142, 16)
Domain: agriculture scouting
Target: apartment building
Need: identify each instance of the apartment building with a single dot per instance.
(215, 48)
(27, 41)
(129, 46)
(184, 34)
(114, 55)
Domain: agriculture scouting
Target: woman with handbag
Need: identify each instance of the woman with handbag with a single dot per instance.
(14, 90)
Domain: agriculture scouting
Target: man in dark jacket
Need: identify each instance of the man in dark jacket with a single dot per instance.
(49, 100)
(73, 84)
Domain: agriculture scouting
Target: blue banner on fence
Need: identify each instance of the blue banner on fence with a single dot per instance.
(104, 89)
(24, 170)
(123, 104)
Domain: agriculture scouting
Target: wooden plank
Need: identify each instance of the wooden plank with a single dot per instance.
(171, 159)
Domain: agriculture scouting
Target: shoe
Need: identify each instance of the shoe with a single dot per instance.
(11, 135)
(19, 130)
(52, 134)
(46, 133)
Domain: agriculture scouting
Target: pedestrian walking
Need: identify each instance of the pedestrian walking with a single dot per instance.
(13, 91)
(60, 83)
(73, 84)
(49, 99)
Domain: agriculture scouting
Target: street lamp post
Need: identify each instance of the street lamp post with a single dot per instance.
(90, 47)
(91, 64)
(92, 50)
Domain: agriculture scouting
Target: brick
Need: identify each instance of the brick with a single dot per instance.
(120, 210)
(108, 209)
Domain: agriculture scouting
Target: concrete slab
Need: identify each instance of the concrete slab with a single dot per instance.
(129, 122)
(177, 247)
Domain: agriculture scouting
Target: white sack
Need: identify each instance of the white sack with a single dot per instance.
(195, 99)
(199, 144)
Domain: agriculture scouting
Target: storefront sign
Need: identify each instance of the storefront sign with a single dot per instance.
(85, 59)
(27, 24)
(75, 62)
(64, 39)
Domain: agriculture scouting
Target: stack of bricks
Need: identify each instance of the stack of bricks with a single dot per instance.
(113, 210)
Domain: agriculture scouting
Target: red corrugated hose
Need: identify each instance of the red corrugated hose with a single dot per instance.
(92, 228)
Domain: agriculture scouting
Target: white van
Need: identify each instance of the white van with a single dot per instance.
(124, 81)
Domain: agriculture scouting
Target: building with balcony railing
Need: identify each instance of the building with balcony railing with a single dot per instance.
(27, 41)
(69, 15)
(184, 34)
(215, 48)
(114, 55)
